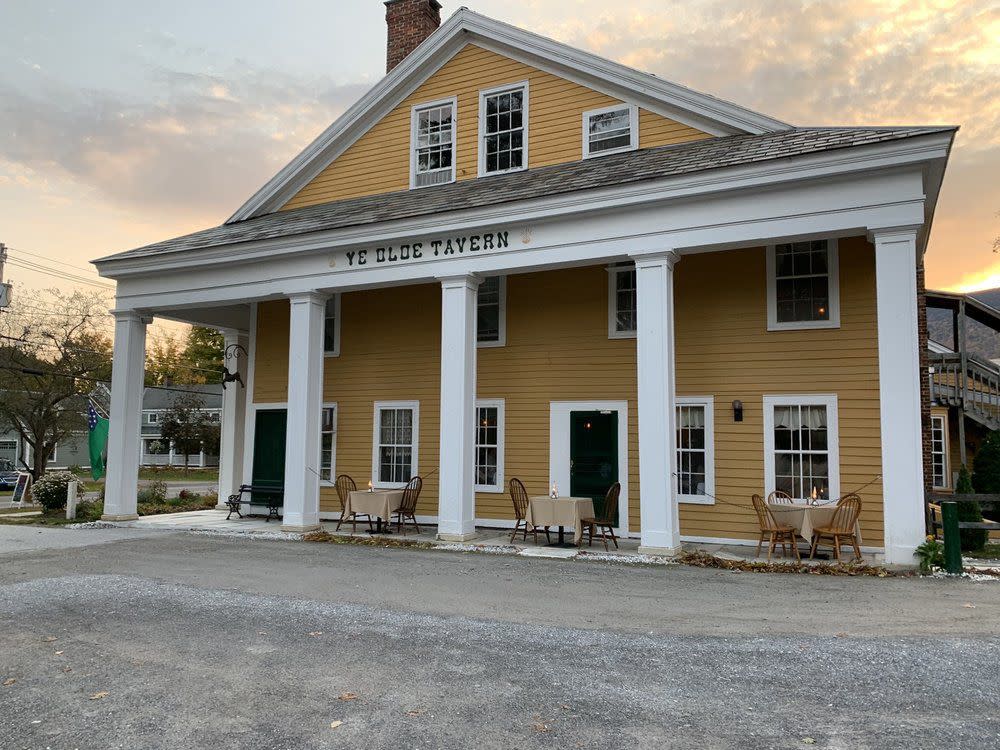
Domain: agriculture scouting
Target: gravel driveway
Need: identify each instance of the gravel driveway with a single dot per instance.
(176, 641)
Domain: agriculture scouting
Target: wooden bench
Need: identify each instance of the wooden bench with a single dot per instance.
(274, 497)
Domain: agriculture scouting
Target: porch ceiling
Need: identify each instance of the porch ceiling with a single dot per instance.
(233, 317)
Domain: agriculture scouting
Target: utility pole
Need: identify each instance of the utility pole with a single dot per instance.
(4, 286)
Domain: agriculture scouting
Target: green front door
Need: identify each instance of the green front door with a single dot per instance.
(593, 456)
(269, 453)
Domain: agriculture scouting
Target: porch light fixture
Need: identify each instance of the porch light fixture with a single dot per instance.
(737, 411)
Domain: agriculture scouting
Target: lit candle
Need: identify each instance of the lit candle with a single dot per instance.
(815, 495)
(371, 488)
(555, 490)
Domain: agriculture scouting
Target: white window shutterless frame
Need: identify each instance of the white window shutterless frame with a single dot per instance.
(610, 130)
(503, 129)
(622, 301)
(328, 444)
(802, 445)
(491, 312)
(941, 478)
(395, 443)
(489, 445)
(696, 450)
(803, 285)
(433, 135)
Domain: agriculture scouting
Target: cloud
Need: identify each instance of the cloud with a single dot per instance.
(195, 146)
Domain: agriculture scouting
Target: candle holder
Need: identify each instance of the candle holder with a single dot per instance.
(554, 493)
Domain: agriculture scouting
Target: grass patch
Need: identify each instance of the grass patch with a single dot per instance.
(325, 537)
(177, 474)
(705, 560)
(92, 511)
(989, 552)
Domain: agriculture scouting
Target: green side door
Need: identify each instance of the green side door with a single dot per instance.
(269, 453)
(593, 454)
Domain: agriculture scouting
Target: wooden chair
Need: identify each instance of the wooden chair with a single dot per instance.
(775, 533)
(605, 519)
(345, 486)
(408, 506)
(519, 496)
(779, 498)
(842, 527)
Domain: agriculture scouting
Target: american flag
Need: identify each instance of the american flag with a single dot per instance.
(92, 416)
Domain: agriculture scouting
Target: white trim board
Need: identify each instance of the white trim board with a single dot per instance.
(829, 400)
(559, 449)
(414, 445)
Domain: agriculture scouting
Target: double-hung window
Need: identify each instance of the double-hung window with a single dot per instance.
(503, 129)
(621, 301)
(801, 446)
(695, 449)
(331, 327)
(610, 130)
(489, 445)
(328, 443)
(491, 324)
(803, 288)
(394, 454)
(433, 143)
(939, 452)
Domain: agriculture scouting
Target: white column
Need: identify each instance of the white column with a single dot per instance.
(124, 442)
(457, 497)
(233, 420)
(305, 400)
(654, 277)
(899, 392)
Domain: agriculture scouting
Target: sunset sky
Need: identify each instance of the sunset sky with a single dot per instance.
(124, 122)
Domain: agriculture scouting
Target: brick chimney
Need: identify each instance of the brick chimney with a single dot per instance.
(409, 22)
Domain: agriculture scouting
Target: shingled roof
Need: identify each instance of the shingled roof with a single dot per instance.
(607, 171)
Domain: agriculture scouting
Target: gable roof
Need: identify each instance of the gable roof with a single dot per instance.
(608, 171)
(710, 114)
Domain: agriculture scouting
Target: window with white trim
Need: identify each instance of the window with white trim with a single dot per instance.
(503, 129)
(328, 443)
(489, 445)
(801, 446)
(394, 458)
(803, 287)
(610, 130)
(939, 452)
(491, 328)
(152, 417)
(622, 301)
(331, 327)
(433, 144)
(696, 449)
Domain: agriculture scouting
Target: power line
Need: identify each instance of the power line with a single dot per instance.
(57, 273)
(43, 373)
(90, 269)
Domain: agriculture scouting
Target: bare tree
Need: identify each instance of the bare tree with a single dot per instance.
(54, 347)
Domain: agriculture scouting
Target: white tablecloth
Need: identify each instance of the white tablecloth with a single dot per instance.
(560, 511)
(805, 518)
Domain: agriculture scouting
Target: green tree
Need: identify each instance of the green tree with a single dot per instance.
(53, 347)
(204, 353)
(972, 539)
(189, 427)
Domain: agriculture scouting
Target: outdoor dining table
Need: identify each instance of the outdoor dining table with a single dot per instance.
(562, 512)
(804, 518)
(378, 503)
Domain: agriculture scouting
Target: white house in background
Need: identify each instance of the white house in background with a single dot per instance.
(155, 403)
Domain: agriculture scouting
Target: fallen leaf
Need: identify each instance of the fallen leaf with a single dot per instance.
(840, 635)
(316, 632)
(67, 669)
(969, 605)
(261, 632)
(539, 727)
(100, 696)
(335, 724)
(347, 697)
(9, 681)
(564, 706)
(417, 712)
(49, 638)
(808, 741)
(59, 653)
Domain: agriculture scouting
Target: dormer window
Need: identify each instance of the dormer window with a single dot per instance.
(610, 130)
(503, 129)
(433, 144)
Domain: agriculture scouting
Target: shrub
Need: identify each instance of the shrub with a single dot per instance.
(152, 493)
(51, 490)
(972, 539)
(930, 554)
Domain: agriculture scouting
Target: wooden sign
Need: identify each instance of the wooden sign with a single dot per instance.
(442, 247)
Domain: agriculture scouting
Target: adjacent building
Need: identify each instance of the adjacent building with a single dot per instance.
(513, 258)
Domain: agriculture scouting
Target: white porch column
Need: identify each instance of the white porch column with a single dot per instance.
(899, 392)
(124, 442)
(233, 420)
(456, 497)
(305, 400)
(654, 280)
